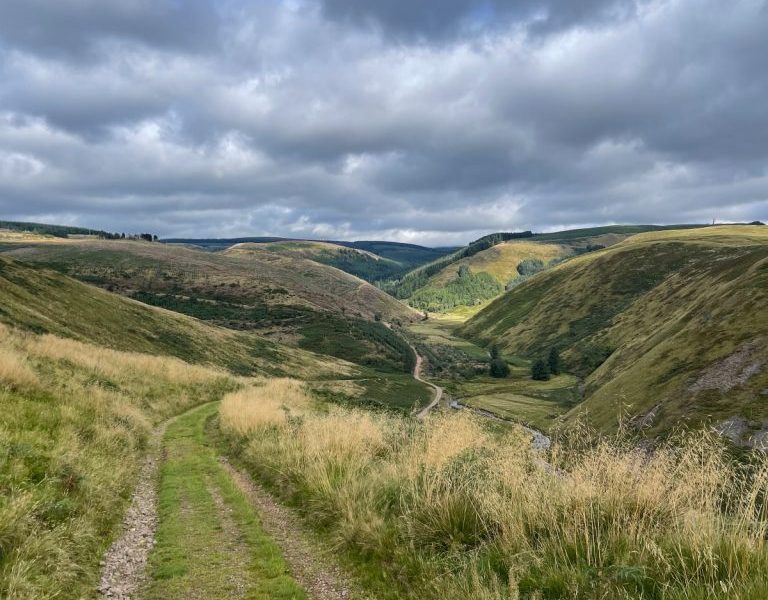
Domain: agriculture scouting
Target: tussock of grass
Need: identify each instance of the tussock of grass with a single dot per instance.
(446, 510)
(75, 422)
(250, 408)
(15, 373)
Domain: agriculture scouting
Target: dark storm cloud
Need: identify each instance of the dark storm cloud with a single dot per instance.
(406, 18)
(72, 28)
(423, 121)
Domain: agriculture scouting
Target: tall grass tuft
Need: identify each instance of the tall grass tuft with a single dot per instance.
(15, 372)
(75, 424)
(447, 509)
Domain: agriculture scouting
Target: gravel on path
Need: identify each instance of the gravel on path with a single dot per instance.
(312, 567)
(124, 568)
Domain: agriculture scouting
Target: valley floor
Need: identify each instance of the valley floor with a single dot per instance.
(459, 367)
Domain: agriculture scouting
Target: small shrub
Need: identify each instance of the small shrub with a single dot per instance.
(499, 368)
(530, 266)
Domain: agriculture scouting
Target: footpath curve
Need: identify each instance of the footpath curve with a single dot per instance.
(438, 391)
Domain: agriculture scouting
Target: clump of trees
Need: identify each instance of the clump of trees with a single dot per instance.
(544, 367)
(414, 281)
(467, 289)
(530, 266)
(498, 367)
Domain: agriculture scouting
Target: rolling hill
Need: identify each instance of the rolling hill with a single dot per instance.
(666, 327)
(360, 263)
(293, 300)
(42, 301)
(372, 261)
(482, 270)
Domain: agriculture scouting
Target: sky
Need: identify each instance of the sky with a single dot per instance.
(431, 121)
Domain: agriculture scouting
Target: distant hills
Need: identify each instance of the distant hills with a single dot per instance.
(362, 260)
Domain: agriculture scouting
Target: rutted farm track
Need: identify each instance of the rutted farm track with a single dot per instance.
(210, 532)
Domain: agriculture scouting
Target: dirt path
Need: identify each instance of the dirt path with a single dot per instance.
(215, 533)
(312, 567)
(124, 564)
(438, 391)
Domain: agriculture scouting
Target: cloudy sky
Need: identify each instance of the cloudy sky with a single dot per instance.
(431, 121)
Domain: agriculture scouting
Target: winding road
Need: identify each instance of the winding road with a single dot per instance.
(438, 391)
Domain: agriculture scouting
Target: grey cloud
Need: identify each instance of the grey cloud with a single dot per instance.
(302, 122)
(75, 28)
(448, 18)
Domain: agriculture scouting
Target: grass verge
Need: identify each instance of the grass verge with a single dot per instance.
(75, 423)
(447, 510)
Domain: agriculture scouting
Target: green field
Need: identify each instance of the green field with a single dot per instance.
(453, 362)
(440, 331)
(519, 398)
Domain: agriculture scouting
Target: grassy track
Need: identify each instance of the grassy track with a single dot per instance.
(210, 543)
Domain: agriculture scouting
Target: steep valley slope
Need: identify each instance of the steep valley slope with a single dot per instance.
(665, 328)
(468, 278)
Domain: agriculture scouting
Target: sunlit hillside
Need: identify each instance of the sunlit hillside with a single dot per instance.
(666, 328)
(42, 301)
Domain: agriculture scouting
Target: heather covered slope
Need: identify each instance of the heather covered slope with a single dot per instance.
(360, 263)
(294, 301)
(239, 276)
(667, 327)
(42, 301)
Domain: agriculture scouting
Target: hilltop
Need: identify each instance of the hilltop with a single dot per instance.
(666, 327)
(370, 260)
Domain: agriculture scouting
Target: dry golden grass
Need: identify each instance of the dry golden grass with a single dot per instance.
(501, 261)
(112, 363)
(452, 511)
(271, 403)
(75, 422)
(15, 372)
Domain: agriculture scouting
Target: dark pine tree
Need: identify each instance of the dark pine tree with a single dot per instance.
(499, 368)
(540, 370)
(555, 365)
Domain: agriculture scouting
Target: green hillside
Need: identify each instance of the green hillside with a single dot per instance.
(471, 276)
(666, 327)
(372, 261)
(292, 300)
(360, 263)
(41, 301)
